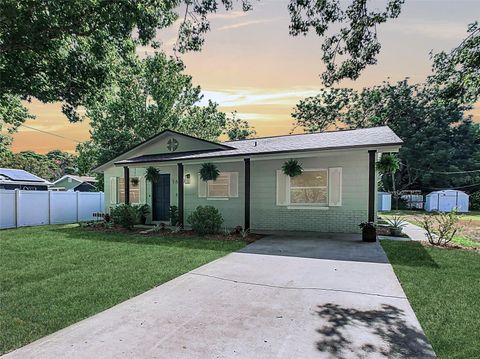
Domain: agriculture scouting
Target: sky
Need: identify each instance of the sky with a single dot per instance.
(250, 64)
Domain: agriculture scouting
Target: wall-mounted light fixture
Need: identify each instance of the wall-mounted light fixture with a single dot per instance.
(187, 179)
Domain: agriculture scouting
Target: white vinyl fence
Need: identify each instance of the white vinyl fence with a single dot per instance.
(20, 208)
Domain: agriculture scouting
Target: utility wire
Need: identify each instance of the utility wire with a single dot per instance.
(445, 172)
(50, 133)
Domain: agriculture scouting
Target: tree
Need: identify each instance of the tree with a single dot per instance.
(238, 129)
(438, 137)
(71, 51)
(389, 164)
(441, 143)
(149, 96)
(355, 45)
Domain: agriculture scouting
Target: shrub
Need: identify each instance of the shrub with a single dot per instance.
(440, 227)
(173, 215)
(125, 215)
(143, 210)
(475, 201)
(205, 220)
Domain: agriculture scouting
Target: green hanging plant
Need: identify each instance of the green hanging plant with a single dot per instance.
(134, 181)
(152, 174)
(209, 172)
(292, 168)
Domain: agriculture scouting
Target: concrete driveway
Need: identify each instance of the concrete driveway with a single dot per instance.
(285, 296)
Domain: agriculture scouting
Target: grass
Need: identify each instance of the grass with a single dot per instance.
(442, 287)
(53, 276)
(469, 235)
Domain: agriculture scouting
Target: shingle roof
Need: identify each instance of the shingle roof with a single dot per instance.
(365, 137)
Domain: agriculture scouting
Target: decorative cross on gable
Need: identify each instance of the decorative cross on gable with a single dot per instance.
(172, 145)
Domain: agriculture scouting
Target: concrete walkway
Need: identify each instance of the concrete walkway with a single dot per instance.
(281, 297)
(415, 232)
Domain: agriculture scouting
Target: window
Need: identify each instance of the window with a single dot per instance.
(224, 187)
(311, 187)
(134, 190)
(220, 187)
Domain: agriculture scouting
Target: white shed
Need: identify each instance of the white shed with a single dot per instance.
(384, 201)
(446, 201)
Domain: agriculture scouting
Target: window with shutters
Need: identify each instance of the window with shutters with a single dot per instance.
(220, 187)
(311, 187)
(134, 190)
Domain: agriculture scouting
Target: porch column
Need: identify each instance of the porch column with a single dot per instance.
(371, 184)
(247, 193)
(180, 194)
(126, 180)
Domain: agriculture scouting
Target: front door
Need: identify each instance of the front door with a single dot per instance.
(161, 198)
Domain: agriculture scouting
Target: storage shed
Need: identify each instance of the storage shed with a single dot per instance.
(446, 201)
(384, 201)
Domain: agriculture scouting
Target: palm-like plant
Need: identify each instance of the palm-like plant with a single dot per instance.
(152, 174)
(209, 172)
(389, 164)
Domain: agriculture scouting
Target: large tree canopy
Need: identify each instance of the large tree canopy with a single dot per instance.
(71, 51)
(438, 137)
(441, 143)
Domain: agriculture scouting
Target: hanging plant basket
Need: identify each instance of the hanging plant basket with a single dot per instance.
(292, 168)
(134, 181)
(152, 174)
(209, 172)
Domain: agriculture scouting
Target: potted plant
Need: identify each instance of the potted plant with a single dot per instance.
(369, 231)
(152, 174)
(396, 224)
(134, 181)
(292, 168)
(209, 172)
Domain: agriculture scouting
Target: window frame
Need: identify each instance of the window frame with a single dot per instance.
(317, 204)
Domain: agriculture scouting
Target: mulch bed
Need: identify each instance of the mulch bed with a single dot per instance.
(167, 232)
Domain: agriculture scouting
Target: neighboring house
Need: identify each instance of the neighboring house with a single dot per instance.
(11, 178)
(75, 183)
(335, 193)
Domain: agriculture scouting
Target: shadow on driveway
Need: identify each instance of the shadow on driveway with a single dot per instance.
(398, 339)
(341, 247)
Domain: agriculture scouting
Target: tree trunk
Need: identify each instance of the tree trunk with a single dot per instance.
(394, 190)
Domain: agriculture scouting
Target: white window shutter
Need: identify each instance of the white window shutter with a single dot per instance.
(113, 190)
(335, 186)
(233, 184)
(282, 189)
(202, 187)
(143, 190)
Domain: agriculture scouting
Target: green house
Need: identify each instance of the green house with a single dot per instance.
(335, 192)
(75, 183)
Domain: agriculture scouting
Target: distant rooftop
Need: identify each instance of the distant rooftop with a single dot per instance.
(16, 175)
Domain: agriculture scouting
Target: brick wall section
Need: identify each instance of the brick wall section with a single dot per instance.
(266, 215)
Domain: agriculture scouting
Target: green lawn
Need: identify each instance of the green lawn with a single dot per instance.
(53, 276)
(443, 287)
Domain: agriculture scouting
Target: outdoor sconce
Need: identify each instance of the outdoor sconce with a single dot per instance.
(187, 179)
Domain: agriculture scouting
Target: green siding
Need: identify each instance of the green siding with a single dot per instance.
(265, 214)
(231, 209)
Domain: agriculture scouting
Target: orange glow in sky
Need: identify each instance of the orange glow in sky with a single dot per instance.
(250, 64)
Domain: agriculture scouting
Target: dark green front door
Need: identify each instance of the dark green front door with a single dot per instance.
(161, 198)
